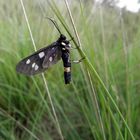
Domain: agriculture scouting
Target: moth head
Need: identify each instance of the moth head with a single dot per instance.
(62, 38)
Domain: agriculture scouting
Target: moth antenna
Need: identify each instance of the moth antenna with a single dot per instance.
(55, 24)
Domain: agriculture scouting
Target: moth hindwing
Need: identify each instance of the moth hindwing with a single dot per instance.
(40, 60)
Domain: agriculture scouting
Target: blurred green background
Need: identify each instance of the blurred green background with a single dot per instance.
(110, 38)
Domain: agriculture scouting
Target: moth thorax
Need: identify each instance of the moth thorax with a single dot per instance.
(67, 69)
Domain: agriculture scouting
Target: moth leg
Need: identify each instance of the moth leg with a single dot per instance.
(78, 61)
(71, 48)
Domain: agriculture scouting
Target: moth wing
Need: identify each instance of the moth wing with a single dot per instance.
(33, 64)
(53, 57)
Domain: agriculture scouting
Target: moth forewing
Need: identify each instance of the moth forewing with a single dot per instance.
(53, 57)
(30, 65)
(33, 64)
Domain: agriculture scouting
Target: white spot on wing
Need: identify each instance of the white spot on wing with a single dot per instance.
(36, 67)
(41, 54)
(33, 65)
(50, 59)
(53, 48)
(28, 61)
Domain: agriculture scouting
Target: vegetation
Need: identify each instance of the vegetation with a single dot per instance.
(101, 103)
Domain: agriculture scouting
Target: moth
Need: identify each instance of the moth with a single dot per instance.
(44, 58)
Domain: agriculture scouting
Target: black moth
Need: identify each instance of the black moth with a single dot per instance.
(44, 58)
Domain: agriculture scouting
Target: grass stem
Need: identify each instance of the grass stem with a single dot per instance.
(43, 77)
(94, 71)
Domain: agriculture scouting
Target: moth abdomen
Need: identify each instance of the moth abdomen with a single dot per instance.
(67, 75)
(67, 66)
